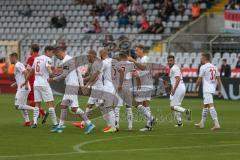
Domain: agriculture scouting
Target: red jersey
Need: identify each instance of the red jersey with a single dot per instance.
(30, 61)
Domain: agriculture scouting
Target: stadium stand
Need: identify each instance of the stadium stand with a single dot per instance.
(30, 21)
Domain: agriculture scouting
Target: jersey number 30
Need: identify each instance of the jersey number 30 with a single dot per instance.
(212, 74)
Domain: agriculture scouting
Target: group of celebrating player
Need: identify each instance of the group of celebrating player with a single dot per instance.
(110, 83)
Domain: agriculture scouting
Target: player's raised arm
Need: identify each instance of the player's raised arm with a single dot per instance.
(138, 65)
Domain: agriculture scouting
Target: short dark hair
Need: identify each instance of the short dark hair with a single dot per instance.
(122, 55)
(140, 46)
(61, 48)
(92, 52)
(207, 56)
(14, 54)
(35, 48)
(49, 48)
(171, 56)
(224, 60)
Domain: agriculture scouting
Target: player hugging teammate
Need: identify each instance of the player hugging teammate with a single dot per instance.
(110, 84)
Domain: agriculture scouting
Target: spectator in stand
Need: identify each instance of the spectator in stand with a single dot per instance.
(58, 22)
(123, 20)
(225, 69)
(107, 10)
(62, 21)
(196, 10)
(87, 29)
(144, 24)
(96, 26)
(238, 63)
(156, 27)
(232, 5)
(87, 2)
(163, 16)
(135, 8)
(181, 9)
(122, 8)
(168, 8)
(27, 12)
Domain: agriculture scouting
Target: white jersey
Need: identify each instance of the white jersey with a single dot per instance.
(175, 72)
(19, 75)
(40, 66)
(73, 78)
(145, 75)
(209, 73)
(97, 66)
(128, 69)
(107, 72)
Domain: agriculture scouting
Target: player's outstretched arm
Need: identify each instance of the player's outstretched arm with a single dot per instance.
(64, 73)
(93, 78)
(138, 65)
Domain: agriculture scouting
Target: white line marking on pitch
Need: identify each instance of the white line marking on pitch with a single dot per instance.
(77, 148)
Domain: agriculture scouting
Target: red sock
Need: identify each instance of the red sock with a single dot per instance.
(42, 112)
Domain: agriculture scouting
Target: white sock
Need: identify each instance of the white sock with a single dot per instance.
(146, 113)
(26, 107)
(204, 115)
(35, 115)
(52, 113)
(88, 111)
(178, 116)
(129, 117)
(179, 109)
(63, 116)
(149, 110)
(117, 117)
(25, 115)
(213, 113)
(112, 118)
(81, 113)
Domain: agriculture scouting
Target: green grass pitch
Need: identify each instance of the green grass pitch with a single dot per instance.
(165, 142)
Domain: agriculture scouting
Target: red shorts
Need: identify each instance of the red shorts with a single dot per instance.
(31, 94)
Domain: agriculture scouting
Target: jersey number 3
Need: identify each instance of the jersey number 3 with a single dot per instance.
(212, 74)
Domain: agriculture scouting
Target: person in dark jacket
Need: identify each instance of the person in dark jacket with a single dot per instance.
(225, 69)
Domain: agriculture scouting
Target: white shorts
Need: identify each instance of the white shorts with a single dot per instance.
(207, 98)
(21, 97)
(177, 98)
(72, 98)
(119, 102)
(109, 96)
(96, 96)
(43, 93)
(143, 94)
